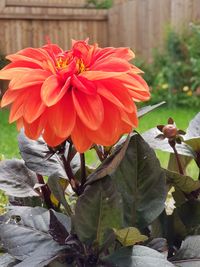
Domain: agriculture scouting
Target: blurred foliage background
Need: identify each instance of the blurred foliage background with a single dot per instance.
(174, 73)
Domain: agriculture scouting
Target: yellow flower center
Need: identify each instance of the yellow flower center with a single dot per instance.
(80, 66)
(61, 63)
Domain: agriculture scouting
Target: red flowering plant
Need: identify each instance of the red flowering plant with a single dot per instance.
(61, 211)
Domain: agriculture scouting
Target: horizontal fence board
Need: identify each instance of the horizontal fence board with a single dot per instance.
(139, 24)
(47, 3)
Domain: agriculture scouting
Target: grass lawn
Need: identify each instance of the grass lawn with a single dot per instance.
(8, 133)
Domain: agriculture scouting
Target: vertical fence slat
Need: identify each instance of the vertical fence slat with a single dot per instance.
(139, 24)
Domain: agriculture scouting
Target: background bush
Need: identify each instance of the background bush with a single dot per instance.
(174, 74)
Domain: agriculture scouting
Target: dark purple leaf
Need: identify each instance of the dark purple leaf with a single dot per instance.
(193, 129)
(34, 153)
(16, 179)
(160, 137)
(147, 109)
(57, 229)
(160, 127)
(170, 121)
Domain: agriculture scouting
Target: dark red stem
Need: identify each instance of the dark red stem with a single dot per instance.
(99, 153)
(173, 145)
(73, 182)
(46, 192)
(83, 170)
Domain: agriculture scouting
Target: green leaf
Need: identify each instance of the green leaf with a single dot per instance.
(173, 166)
(189, 253)
(182, 182)
(138, 256)
(57, 186)
(129, 236)
(141, 183)
(147, 109)
(194, 143)
(97, 210)
(16, 179)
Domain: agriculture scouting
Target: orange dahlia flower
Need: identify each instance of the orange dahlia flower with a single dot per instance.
(86, 93)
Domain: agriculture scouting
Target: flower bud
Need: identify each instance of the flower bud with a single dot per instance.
(170, 131)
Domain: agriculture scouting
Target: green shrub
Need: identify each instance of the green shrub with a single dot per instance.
(174, 74)
(101, 3)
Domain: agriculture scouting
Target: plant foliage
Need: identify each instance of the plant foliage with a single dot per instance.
(64, 213)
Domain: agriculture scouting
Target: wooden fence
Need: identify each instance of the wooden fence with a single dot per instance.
(26, 23)
(139, 24)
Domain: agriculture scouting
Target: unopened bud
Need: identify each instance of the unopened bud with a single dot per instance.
(170, 131)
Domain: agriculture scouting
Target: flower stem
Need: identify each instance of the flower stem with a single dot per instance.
(99, 153)
(178, 161)
(83, 170)
(73, 182)
(173, 146)
(46, 192)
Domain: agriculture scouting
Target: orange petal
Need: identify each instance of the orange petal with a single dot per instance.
(20, 64)
(130, 118)
(33, 130)
(30, 78)
(17, 108)
(89, 108)
(116, 92)
(62, 117)
(23, 61)
(84, 85)
(52, 49)
(110, 131)
(8, 74)
(20, 123)
(100, 75)
(138, 96)
(80, 49)
(8, 97)
(139, 80)
(52, 90)
(50, 138)
(113, 64)
(33, 106)
(35, 53)
(134, 82)
(79, 137)
(40, 54)
(121, 52)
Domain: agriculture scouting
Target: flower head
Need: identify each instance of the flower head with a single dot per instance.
(86, 93)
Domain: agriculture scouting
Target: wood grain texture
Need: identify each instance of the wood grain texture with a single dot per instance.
(142, 24)
(139, 24)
